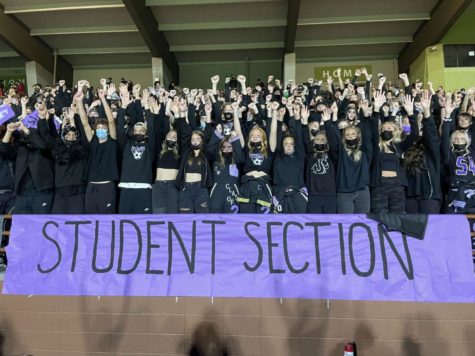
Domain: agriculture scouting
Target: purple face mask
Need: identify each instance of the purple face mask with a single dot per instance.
(406, 129)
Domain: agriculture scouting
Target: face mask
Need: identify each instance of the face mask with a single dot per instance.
(386, 135)
(101, 134)
(256, 145)
(139, 137)
(197, 146)
(314, 132)
(320, 147)
(460, 147)
(228, 116)
(406, 129)
(69, 143)
(170, 143)
(352, 143)
(227, 154)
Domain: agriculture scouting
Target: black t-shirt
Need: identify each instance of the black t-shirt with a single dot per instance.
(70, 165)
(102, 165)
(256, 161)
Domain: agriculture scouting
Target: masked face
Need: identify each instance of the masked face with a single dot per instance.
(102, 133)
(228, 116)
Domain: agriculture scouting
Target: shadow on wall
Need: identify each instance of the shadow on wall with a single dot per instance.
(208, 339)
(88, 320)
(7, 338)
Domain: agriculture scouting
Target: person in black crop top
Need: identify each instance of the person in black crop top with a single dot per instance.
(288, 171)
(255, 193)
(388, 177)
(103, 168)
(194, 176)
(164, 191)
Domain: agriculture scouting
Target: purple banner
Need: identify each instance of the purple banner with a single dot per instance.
(280, 256)
(6, 113)
(31, 120)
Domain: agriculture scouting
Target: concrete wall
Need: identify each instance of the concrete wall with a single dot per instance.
(136, 75)
(198, 75)
(72, 326)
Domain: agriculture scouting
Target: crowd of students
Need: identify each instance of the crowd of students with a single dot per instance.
(354, 146)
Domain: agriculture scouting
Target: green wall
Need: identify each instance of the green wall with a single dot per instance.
(462, 31)
(197, 75)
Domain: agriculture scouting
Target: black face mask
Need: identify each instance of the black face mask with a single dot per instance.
(256, 145)
(170, 143)
(228, 116)
(227, 155)
(320, 147)
(69, 143)
(386, 135)
(460, 147)
(352, 143)
(197, 146)
(314, 132)
(139, 137)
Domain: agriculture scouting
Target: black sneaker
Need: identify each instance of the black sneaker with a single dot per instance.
(3, 261)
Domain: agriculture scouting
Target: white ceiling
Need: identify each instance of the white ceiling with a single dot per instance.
(101, 32)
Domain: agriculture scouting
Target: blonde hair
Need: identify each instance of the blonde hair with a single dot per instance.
(353, 152)
(383, 145)
(263, 139)
(460, 132)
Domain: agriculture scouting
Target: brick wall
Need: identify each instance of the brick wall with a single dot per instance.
(71, 326)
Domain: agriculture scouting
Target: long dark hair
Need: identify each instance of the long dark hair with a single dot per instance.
(414, 159)
(222, 161)
(201, 154)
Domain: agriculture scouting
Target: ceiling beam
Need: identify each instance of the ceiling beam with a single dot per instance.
(363, 19)
(148, 26)
(102, 50)
(8, 54)
(17, 36)
(225, 46)
(293, 9)
(442, 17)
(353, 41)
(218, 25)
(58, 6)
(197, 2)
(82, 30)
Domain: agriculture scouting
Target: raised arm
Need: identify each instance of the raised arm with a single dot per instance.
(273, 127)
(78, 98)
(110, 118)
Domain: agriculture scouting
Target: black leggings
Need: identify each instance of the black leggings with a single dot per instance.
(321, 204)
(389, 197)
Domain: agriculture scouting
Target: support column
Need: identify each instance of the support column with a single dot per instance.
(160, 70)
(36, 73)
(290, 68)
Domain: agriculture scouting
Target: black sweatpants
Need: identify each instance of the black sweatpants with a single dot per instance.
(7, 202)
(222, 199)
(69, 200)
(193, 199)
(164, 197)
(389, 197)
(416, 205)
(34, 202)
(135, 201)
(321, 204)
(100, 198)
